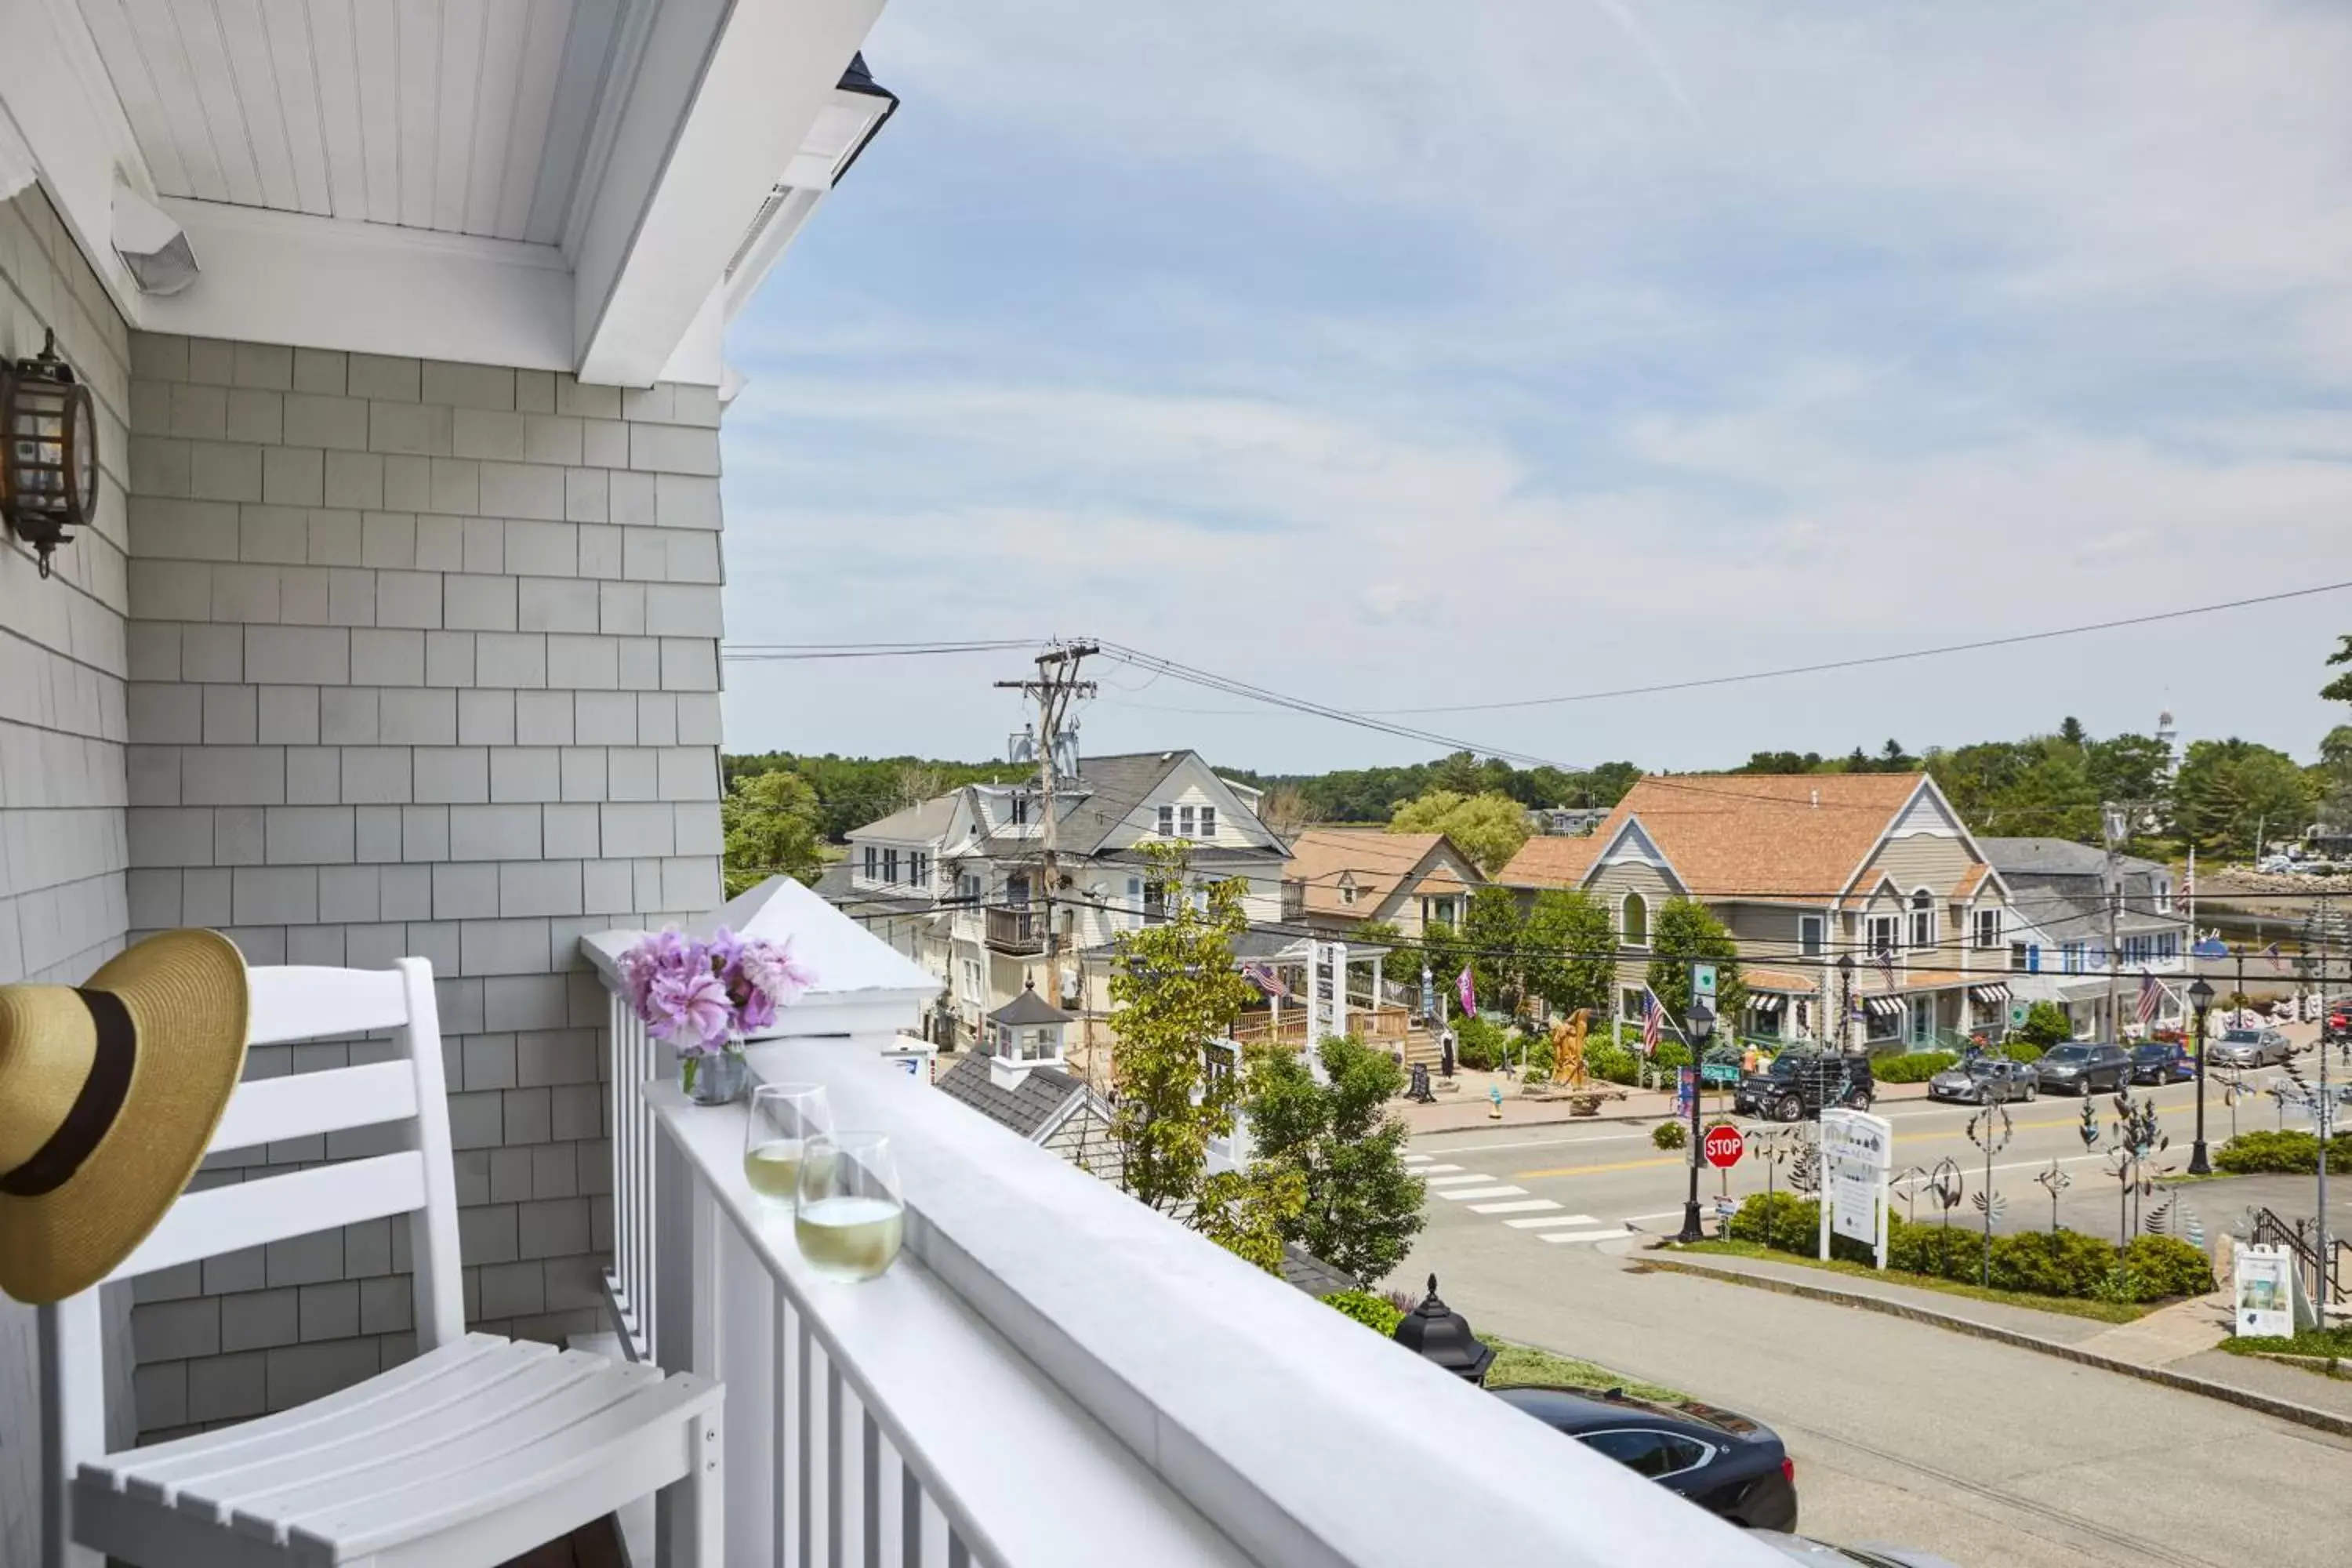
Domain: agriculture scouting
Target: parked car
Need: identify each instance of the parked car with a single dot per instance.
(2249, 1048)
(2079, 1068)
(1730, 1466)
(1821, 1554)
(1799, 1083)
(2162, 1061)
(1985, 1079)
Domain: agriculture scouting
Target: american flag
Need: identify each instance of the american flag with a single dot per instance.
(1265, 979)
(2151, 998)
(1887, 963)
(1650, 1014)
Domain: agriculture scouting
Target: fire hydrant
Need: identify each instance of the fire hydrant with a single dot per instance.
(1494, 1102)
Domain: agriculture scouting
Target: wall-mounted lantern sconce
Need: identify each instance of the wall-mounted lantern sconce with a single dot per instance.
(48, 451)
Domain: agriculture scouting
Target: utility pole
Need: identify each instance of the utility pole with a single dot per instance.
(2323, 1118)
(1053, 688)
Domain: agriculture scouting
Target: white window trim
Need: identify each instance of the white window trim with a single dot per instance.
(1817, 944)
(1625, 931)
(1980, 921)
(1912, 909)
(1870, 946)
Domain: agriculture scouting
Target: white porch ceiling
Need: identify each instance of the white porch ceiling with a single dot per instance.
(462, 116)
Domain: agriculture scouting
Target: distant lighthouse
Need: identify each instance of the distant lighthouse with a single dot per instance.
(2168, 737)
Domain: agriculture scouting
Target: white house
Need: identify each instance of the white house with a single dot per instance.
(958, 881)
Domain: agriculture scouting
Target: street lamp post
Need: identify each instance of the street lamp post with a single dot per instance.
(1845, 999)
(2200, 997)
(1698, 1024)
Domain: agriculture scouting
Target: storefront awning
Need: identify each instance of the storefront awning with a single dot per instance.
(1765, 1001)
(1884, 1006)
(1992, 995)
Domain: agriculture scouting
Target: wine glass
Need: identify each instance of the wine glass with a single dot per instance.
(852, 1215)
(784, 1116)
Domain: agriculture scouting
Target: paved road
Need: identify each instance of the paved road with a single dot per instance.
(1990, 1455)
(1578, 1185)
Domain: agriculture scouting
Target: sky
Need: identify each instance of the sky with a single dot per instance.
(1400, 356)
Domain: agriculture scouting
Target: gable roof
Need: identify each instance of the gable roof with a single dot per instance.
(922, 822)
(1771, 835)
(1379, 863)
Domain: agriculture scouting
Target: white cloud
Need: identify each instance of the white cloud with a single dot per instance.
(1652, 343)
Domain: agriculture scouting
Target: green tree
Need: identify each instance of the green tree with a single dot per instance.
(2231, 793)
(1569, 951)
(1491, 930)
(1490, 827)
(1173, 990)
(1686, 932)
(2045, 1025)
(2340, 689)
(1360, 1206)
(770, 823)
(2334, 776)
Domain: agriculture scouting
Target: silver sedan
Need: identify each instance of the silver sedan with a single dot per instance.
(2249, 1048)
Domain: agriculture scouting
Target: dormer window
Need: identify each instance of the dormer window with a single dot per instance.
(1208, 822)
(1347, 887)
(1020, 811)
(1167, 822)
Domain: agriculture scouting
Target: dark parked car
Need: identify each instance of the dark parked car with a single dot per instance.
(1985, 1079)
(1799, 1083)
(2079, 1068)
(2162, 1061)
(1727, 1464)
(2249, 1048)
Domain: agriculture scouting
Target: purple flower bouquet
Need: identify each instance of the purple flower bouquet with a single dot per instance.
(703, 998)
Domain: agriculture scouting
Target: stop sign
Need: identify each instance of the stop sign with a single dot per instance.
(1724, 1145)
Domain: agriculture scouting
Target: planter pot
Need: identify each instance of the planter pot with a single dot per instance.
(713, 1079)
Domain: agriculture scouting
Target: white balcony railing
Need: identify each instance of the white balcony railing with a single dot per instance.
(1055, 1374)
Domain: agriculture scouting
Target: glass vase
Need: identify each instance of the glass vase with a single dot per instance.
(712, 1077)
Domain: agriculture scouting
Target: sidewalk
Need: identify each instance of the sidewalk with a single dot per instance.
(1467, 1107)
(2174, 1346)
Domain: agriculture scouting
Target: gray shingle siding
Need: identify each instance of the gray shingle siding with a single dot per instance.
(424, 660)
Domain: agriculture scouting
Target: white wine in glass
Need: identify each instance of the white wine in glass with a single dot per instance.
(784, 1116)
(851, 1218)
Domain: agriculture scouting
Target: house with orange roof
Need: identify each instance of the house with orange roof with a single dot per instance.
(1863, 909)
(1340, 878)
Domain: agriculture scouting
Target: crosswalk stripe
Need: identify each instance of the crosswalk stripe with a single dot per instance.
(1419, 1159)
(1459, 1194)
(1456, 1181)
(1434, 1170)
(1551, 1219)
(1586, 1235)
(1519, 1205)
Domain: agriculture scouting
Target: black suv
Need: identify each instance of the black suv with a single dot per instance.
(1799, 1083)
(2084, 1068)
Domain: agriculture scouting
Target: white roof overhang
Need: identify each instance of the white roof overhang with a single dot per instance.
(587, 185)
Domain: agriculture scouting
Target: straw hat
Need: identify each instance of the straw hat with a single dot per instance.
(109, 1093)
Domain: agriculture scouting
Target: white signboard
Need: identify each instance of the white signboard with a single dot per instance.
(1857, 1154)
(2270, 1301)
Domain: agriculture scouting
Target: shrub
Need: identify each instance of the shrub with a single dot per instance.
(1954, 1251)
(2067, 1262)
(1375, 1313)
(1672, 1054)
(2155, 1267)
(1669, 1135)
(2021, 1051)
(2282, 1153)
(1482, 1044)
(1611, 1063)
(1917, 1067)
(1776, 1219)
(2046, 1024)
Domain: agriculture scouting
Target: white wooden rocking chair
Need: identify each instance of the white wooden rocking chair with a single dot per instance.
(477, 1450)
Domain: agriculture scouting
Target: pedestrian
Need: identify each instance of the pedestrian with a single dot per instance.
(1445, 1054)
